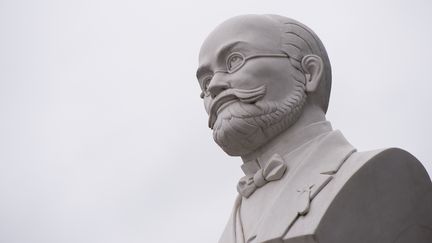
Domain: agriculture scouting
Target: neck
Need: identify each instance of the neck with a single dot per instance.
(290, 139)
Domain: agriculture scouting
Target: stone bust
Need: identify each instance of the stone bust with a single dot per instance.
(266, 82)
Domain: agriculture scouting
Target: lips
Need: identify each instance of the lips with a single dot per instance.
(229, 96)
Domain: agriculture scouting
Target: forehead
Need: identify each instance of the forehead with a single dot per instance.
(256, 32)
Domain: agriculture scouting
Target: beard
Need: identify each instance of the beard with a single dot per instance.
(242, 127)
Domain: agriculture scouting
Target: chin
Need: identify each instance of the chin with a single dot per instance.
(238, 145)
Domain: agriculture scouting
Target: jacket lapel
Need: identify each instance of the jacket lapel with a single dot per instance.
(315, 171)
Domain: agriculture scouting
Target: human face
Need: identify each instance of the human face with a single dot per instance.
(244, 68)
(248, 87)
(210, 90)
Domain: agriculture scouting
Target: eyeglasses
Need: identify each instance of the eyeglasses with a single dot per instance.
(234, 62)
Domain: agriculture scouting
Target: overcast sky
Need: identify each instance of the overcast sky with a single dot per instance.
(103, 136)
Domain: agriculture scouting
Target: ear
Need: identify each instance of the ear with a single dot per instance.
(313, 67)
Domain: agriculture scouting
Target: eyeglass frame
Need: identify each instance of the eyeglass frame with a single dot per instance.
(238, 67)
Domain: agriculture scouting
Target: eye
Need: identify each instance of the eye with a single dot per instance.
(234, 62)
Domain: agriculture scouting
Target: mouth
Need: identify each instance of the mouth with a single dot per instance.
(230, 96)
(224, 105)
(218, 105)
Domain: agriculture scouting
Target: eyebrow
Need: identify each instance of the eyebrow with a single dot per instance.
(220, 53)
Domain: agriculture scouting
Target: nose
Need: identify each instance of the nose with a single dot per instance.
(217, 85)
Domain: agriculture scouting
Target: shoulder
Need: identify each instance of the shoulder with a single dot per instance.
(392, 169)
(386, 159)
(376, 196)
(382, 194)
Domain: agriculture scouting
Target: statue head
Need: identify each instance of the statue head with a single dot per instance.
(257, 73)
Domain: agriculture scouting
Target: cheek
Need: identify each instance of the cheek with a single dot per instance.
(274, 74)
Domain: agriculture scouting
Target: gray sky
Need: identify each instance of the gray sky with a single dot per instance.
(103, 136)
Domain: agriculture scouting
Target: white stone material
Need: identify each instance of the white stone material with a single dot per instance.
(266, 82)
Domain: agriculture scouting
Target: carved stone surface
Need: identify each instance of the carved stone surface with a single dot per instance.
(266, 83)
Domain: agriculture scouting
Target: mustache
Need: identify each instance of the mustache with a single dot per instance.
(231, 95)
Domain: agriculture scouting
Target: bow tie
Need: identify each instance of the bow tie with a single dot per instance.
(272, 171)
